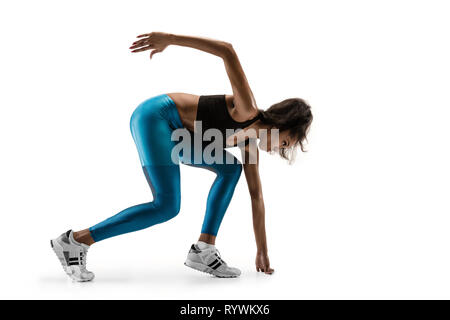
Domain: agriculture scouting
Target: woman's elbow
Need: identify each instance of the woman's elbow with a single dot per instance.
(227, 49)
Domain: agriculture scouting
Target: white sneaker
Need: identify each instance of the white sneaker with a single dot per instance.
(208, 260)
(72, 256)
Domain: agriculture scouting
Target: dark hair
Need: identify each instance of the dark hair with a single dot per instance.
(292, 114)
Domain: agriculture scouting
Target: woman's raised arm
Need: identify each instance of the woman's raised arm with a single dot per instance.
(243, 95)
(158, 41)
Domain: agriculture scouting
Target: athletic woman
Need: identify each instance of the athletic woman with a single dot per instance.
(152, 124)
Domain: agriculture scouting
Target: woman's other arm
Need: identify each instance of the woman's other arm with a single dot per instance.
(258, 212)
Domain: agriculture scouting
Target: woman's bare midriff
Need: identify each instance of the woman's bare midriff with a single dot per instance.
(187, 107)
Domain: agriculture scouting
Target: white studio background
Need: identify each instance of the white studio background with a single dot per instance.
(364, 214)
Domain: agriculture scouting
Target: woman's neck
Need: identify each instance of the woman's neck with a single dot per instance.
(258, 125)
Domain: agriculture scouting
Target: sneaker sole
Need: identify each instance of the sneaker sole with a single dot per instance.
(202, 268)
(58, 251)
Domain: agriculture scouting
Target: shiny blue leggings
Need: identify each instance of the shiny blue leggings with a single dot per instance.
(152, 124)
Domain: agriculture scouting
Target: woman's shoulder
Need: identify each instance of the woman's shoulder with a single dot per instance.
(229, 99)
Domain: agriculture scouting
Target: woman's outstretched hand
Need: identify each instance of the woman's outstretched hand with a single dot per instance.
(262, 263)
(157, 41)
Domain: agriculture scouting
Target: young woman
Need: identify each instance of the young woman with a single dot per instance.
(152, 124)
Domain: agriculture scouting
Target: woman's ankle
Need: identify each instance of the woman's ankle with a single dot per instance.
(84, 236)
(207, 238)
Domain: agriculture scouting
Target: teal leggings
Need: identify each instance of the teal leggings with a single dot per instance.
(152, 124)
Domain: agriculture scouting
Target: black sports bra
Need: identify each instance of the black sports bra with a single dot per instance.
(213, 112)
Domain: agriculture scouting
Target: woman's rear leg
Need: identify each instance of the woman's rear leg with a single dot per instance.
(165, 185)
(152, 135)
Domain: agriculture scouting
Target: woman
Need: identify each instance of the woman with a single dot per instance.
(152, 125)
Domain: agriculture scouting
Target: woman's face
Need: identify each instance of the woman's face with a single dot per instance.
(283, 141)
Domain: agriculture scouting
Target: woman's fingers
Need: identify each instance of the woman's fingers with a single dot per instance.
(136, 46)
(265, 269)
(141, 41)
(144, 35)
(269, 271)
(142, 49)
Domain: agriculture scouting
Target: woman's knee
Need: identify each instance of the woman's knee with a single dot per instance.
(169, 206)
(158, 211)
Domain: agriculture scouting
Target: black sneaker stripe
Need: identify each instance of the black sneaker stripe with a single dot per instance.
(218, 257)
(213, 263)
(217, 265)
(66, 256)
(194, 249)
(73, 263)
